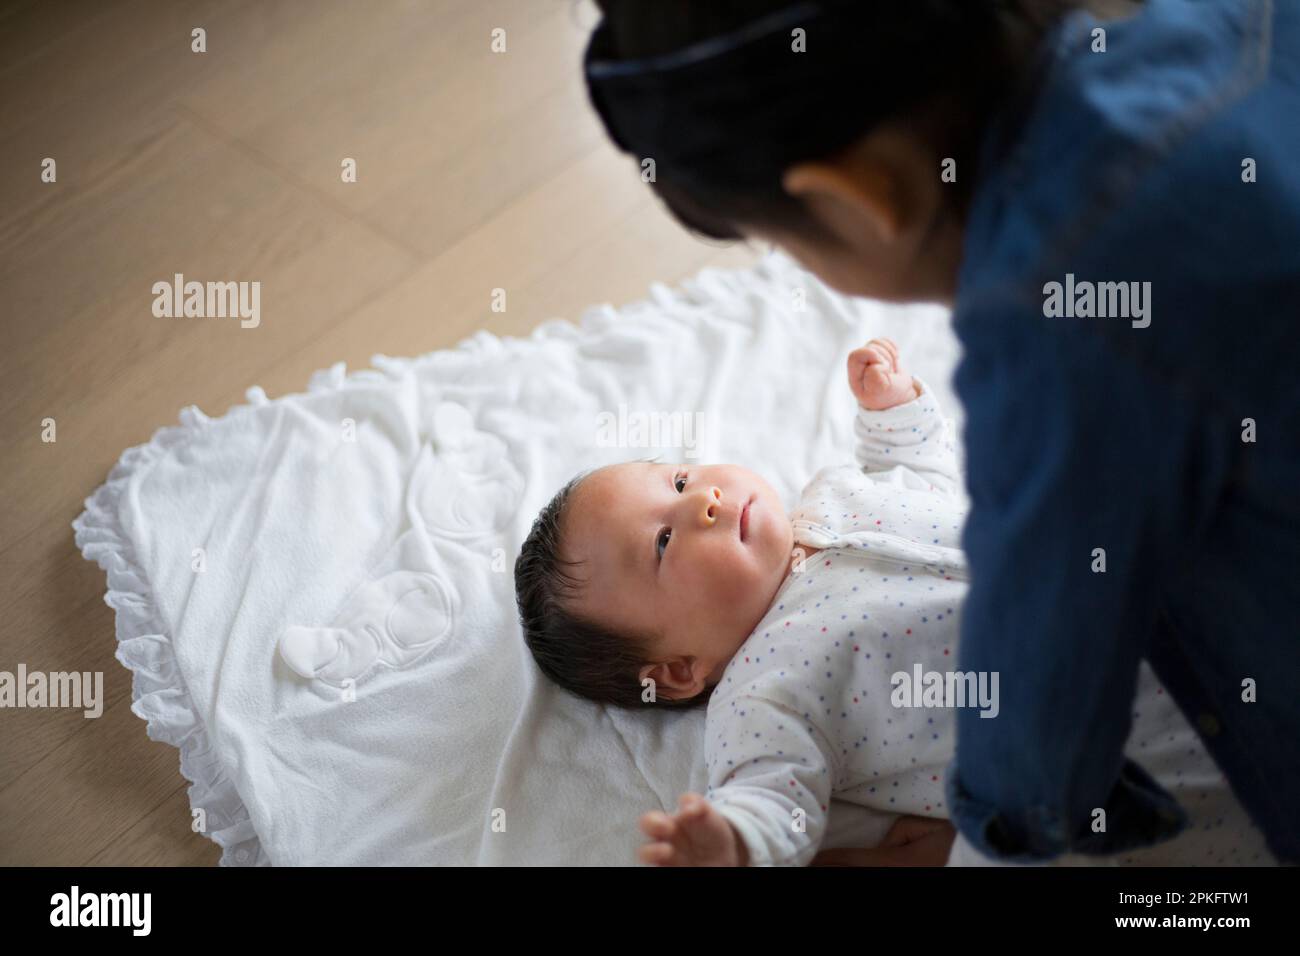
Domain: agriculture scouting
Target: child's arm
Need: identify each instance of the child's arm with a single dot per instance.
(899, 424)
(769, 790)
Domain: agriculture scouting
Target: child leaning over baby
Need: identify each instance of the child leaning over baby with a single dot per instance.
(792, 629)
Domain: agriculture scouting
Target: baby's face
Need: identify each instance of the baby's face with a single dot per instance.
(667, 552)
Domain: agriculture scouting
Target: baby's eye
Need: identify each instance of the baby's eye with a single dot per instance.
(679, 483)
(661, 542)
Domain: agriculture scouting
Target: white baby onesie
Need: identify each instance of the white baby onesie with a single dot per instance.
(805, 709)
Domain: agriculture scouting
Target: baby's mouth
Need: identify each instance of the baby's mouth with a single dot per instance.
(744, 519)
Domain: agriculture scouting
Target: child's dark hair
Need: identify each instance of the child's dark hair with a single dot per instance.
(975, 49)
(582, 656)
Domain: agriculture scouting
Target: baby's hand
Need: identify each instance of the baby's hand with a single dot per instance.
(877, 379)
(697, 835)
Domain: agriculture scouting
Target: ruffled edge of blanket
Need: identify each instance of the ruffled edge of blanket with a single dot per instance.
(158, 692)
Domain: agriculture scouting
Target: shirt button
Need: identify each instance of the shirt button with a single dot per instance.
(1209, 725)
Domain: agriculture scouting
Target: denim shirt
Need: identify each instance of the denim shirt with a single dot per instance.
(1120, 509)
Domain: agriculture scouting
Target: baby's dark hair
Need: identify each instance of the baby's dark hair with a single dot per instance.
(976, 48)
(582, 656)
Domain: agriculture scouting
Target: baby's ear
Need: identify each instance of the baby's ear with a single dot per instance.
(673, 680)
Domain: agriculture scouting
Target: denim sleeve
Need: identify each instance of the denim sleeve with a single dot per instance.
(1083, 480)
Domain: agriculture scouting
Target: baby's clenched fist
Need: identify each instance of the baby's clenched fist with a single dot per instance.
(877, 378)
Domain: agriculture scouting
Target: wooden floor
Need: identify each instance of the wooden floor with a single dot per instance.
(475, 170)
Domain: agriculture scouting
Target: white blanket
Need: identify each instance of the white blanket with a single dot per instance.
(315, 593)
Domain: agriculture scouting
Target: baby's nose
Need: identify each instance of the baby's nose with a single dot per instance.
(711, 506)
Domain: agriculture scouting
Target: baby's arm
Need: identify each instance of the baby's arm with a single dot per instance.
(769, 790)
(898, 422)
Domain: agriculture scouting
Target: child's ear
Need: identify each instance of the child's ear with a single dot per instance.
(888, 180)
(843, 197)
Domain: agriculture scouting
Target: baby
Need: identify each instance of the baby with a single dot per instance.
(824, 643)
(679, 585)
